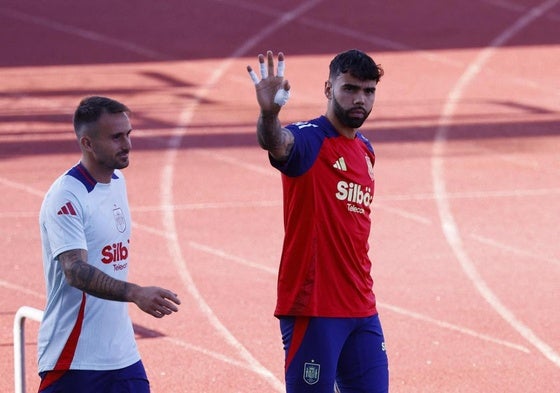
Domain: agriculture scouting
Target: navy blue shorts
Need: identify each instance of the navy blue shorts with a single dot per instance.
(131, 379)
(322, 351)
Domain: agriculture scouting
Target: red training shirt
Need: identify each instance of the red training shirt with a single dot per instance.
(328, 187)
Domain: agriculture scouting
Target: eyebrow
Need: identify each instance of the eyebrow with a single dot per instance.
(359, 86)
(122, 132)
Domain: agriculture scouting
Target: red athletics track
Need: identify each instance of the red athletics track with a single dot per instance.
(465, 237)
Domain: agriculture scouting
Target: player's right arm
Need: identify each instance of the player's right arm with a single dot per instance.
(272, 93)
(273, 137)
(155, 301)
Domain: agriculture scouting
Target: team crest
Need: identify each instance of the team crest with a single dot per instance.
(119, 219)
(311, 373)
(370, 168)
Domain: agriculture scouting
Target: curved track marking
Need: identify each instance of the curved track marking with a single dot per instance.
(166, 186)
(449, 226)
(399, 310)
(173, 208)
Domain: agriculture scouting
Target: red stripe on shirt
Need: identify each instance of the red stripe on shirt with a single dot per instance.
(67, 355)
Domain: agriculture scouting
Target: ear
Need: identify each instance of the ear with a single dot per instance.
(85, 143)
(328, 89)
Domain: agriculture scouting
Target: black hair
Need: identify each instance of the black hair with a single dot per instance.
(357, 63)
(91, 108)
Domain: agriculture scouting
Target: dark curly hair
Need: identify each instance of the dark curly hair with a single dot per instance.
(357, 63)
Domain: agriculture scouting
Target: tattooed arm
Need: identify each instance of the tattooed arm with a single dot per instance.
(272, 137)
(81, 275)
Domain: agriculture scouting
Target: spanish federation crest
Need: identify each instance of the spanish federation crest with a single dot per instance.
(311, 373)
(120, 221)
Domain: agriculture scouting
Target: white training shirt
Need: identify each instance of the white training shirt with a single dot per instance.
(80, 331)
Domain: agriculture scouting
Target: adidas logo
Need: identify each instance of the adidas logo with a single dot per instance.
(340, 164)
(67, 209)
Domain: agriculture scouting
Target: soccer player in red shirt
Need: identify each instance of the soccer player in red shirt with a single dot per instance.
(326, 305)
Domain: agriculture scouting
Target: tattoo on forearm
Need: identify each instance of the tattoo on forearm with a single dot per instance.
(273, 137)
(93, 281)
(269, 131)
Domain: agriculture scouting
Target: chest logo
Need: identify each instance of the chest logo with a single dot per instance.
(120, 221)
(340, 164)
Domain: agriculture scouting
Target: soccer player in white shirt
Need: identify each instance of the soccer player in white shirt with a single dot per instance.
(86, 340)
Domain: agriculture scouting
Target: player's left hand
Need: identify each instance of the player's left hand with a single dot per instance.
(156, 301)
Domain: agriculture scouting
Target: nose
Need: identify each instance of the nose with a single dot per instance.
(127, 142)
(359, 99)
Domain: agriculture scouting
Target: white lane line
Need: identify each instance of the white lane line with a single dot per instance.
(236, 259)
(450, 326)
(22, 187)
(21, 289)
(166, 187)
(397, 309)
(449, 226)
(233, 258)
(404, 213)
(513, 250)
(215, 355)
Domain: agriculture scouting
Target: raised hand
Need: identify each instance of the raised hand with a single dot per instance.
(272, 91)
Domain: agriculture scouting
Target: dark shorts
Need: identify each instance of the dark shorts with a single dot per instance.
(322, 351)
(131, 379)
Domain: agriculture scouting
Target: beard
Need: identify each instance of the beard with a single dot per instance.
(117, 161)
(345, 117)
(121, 161)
